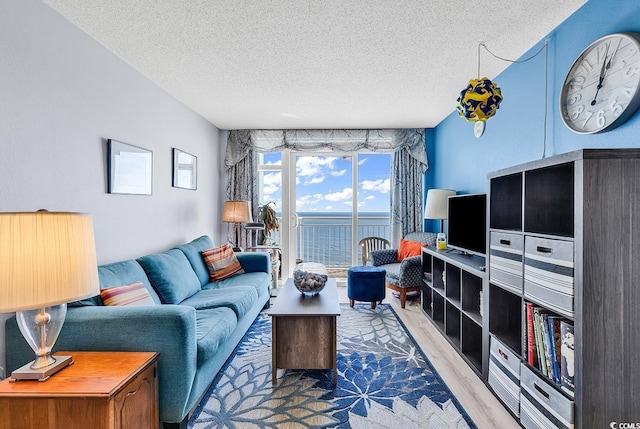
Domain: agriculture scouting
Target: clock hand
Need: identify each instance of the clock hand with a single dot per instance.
(603, 72)
(613, 55)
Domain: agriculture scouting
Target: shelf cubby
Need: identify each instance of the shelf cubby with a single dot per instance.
(438, 311)
(506, 317)
(452, 274)
(452, 323)
(437, 275)
(427, 300)
(548, 200)
(472, 342)
(505, 201)
(472, 296)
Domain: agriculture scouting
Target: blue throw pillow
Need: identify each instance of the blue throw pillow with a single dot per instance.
(171, 275)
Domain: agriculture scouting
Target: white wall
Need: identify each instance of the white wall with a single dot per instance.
(61, 96)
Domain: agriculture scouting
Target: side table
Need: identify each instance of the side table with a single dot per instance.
(101, 390)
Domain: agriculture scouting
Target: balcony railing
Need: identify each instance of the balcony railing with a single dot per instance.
(327, 240)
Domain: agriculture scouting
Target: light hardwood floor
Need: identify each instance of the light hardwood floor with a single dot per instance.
(481, 405)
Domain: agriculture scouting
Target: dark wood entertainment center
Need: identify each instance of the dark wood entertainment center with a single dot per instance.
(577, 214)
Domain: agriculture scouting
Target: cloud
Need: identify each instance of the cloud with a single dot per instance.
(271, 183)
(314, 169)
(345, 194)
(362, 161)
(380, 185)
(308, 203)
(370, 197)
(309, 166)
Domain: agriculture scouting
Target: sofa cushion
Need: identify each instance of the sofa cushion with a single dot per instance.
(261, 281)
(193, 253)
(133, 294)
(213, 327)
(124, 273)
(171, 275)
(422, 236)
(221, 262)
(408, 248)
(393, 273)
(240, 299)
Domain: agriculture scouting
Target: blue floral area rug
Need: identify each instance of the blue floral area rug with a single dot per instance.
(384, 381)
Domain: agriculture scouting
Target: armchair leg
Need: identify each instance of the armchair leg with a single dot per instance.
(403, 292)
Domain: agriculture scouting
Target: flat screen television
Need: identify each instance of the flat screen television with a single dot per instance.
(467, 220)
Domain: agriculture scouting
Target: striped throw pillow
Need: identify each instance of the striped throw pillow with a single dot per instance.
(133, 294)
(221, 262)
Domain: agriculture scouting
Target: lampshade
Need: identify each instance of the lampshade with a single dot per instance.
(436, 207)
(236, 212)
(46, 259)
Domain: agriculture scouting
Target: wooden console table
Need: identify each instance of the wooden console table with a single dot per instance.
(303, 333)
(101, 390)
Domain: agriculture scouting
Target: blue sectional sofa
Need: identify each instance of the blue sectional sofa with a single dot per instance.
(195, 324)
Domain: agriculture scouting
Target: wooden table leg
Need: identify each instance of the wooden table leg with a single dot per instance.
(274, 367)
(334, 343)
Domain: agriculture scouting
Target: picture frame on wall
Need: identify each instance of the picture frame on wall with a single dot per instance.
(185, 170)
(130, 169)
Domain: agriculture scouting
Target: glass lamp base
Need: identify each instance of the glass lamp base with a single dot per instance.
(41, 374)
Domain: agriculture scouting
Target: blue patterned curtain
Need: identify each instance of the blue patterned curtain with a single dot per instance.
(409, 163)
(407, 182)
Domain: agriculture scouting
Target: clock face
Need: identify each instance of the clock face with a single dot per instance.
(601, 90)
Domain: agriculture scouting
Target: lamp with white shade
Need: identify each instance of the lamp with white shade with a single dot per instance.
(437, 203)
(236, 212)
(47, 259)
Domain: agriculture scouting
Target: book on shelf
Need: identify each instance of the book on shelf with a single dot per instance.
(567, 355)
(555, 338)
(532, 356)
(542, 365)
(544, 322)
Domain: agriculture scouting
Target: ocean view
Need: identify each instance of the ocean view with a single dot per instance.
(326, 237)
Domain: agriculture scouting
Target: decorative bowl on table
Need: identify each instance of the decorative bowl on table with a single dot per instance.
(310, 278)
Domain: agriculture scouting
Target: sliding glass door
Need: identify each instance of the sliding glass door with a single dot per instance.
(322, 217)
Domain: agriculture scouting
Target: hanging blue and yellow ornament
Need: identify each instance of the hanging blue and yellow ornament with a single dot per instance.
(479, 100)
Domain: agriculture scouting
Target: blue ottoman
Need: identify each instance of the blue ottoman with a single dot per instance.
(366, 283)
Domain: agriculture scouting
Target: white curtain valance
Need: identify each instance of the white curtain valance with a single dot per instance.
(240, 142)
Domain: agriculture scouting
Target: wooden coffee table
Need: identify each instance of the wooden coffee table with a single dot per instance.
(303, 333)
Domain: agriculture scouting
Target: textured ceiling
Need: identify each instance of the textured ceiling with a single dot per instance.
(316, 63)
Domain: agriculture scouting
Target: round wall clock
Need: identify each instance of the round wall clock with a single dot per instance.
(602, 87)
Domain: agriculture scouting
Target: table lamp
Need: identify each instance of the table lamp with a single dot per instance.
(236, 212)
(437, 204)
(47, 259)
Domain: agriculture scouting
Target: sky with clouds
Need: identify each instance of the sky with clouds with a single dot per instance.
(323, 183)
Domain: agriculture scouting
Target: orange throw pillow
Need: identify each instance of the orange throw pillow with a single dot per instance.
(409, 248)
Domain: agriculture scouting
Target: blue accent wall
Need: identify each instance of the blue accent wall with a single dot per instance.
(515, 134)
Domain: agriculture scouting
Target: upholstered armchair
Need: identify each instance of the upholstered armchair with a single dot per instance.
(406, 275)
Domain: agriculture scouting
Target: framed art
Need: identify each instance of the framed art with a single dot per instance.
(130, 169)
(185, 170)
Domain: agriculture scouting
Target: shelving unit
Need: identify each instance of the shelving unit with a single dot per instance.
(452, 290)
(563, 234)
